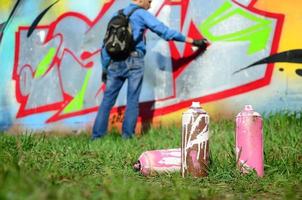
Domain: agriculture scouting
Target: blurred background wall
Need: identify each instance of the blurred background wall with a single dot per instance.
(50, 70)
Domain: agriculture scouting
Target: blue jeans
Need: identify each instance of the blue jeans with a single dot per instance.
(132, 69)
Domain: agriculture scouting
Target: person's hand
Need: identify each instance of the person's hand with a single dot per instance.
(104, 76)
(202, 44)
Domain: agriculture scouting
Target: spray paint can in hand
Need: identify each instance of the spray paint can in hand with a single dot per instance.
(155, 162)
(249, 141)
(195, 142)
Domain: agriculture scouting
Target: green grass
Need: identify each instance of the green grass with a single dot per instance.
(73, 167)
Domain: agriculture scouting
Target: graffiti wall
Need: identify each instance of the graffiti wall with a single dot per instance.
(50, 70)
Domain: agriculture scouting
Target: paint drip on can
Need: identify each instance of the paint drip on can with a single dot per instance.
(155, 162)
(249, 141)
(195, 141)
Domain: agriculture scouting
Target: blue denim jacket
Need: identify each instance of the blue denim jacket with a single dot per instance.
(140, 21)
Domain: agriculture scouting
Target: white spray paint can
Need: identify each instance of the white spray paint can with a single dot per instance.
(195, 141)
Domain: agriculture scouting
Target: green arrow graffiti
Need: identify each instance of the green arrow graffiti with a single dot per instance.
(78, 101)
(45, 63)
(257, 34)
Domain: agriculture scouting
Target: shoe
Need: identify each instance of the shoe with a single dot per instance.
(93, 138)
(125, 136)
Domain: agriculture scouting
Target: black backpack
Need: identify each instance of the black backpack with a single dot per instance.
(118, 40)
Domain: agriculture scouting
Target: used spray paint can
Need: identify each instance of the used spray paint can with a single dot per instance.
(195, 141)
(249, 141)
(155, 162)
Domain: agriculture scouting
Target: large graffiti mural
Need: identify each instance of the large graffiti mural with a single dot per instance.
(51, 72)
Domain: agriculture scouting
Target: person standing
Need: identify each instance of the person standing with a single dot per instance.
(115, 73)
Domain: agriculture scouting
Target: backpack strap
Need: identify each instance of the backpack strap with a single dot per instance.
(120, 12)
(132, 11)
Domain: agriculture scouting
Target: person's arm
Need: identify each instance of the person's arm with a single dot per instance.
(105, 60)
(166, 33)
(161, 29)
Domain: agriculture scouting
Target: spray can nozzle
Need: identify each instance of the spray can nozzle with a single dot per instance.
(137, 166)
(248, 108)
(195, 105)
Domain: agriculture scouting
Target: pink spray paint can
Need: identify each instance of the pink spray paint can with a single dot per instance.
(195, 142)
(155, 162)
(249, 141)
